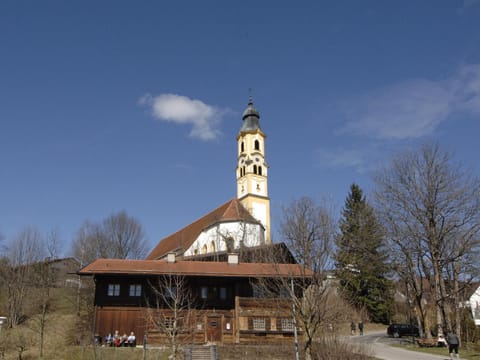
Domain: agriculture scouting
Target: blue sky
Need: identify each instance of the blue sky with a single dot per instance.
(116, 105)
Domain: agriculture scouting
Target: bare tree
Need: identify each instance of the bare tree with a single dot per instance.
(170, 313)
(118, 236)
(42, 280)
(125, 236)
(431, 209)
(23, 250)
(308, 230)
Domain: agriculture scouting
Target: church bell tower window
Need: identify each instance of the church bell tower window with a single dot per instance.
(257, 145)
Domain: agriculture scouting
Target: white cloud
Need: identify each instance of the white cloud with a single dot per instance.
(179, 109)
(414, 108)
(467, 4)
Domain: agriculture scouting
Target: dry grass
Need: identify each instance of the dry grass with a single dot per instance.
(327, 349)
(467, 352)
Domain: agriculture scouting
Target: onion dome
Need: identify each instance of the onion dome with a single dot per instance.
(250, 118)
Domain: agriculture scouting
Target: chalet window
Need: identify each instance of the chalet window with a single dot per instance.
(168, 323)
(171, 292)
(135, 290)
(259, 291)
(287, 324)
(113, 290)
(258, 323)
(204, 292)
(223, 293)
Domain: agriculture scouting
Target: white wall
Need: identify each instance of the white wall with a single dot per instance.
(475, 305)
(250, 234)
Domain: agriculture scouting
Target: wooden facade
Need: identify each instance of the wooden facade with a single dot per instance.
(251, 321)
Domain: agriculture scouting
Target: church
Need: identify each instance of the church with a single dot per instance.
(240, 222)
(219, 260)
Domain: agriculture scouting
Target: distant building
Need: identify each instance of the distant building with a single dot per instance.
(473, 301)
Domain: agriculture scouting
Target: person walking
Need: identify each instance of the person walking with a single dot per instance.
(453, 343)
(360, 327)
(352, 328)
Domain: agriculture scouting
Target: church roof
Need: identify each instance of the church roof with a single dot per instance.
(194, 268)
(181, 240)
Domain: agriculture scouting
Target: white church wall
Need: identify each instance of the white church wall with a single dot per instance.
(249, 234)
(259, 212)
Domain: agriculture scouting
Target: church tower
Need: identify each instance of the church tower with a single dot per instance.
(252, 169)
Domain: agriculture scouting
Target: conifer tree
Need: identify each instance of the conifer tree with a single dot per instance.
(361, 260)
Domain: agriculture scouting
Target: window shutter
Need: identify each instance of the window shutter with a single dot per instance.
(250, 323)
(267, 323)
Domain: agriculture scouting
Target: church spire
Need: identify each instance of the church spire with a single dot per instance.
(252, 169)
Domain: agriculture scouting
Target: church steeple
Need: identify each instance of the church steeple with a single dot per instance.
(252, 169)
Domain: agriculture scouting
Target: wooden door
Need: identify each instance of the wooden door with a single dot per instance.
(214, 328)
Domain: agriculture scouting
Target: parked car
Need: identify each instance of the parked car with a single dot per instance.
(399, 330)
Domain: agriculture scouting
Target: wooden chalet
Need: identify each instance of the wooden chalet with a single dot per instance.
(225, 304)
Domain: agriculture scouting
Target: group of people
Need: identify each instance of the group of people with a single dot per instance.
(353, 328)
(123, 340)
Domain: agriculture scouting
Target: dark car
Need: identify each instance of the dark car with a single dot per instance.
(399, 330)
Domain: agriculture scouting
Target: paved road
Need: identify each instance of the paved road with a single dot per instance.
(381, 347)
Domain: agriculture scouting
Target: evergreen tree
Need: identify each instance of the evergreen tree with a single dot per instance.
(361, 260)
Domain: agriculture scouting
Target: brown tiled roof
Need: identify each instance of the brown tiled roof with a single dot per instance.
(180, 241)
(193, 268)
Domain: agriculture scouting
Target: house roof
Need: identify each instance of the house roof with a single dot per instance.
(193, 268)
(181, 240)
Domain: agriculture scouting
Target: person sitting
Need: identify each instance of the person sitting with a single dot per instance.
(116, 339)
(109, 340)
(123, 341)
(132, 340)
